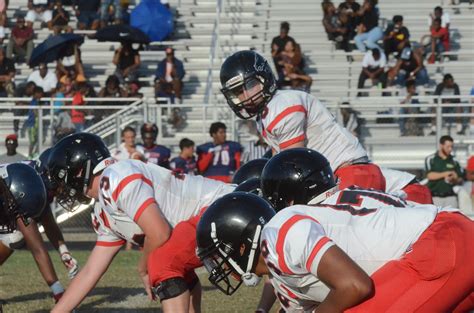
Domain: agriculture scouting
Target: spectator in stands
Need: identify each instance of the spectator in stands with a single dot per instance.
(32, 122)
(128, 148)
(7, 75)
(186, 162)
(438, 13)
(443, 172)
(78, 116)
(438, 43)
(3, 19)
(71, 64)
(133, 89)
(62, 125)
(278, 45)
(368, 31)
(409, 126)
(39, 10)
(169, 77)
(154, 153)
(396, 36)
(59, 22)
(106, 8)
(219, 159)
(112, 89)
(348, 10)
(21, 41)
(24, 90)
(44, 78)
(12, 156)
(87, 13)
(254, 149)
(449, 88)
(409, 66)
(373, 67)
(127, 62)
(350, 119)
(293, 73)
(336, 26)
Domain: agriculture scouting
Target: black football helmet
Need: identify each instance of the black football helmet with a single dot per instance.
(228, 236)
(251, 169)
(248, 83)
(22, 195)
(251, 185)
(72, 163)
(149, 130)
(296, 175)
(41, 167)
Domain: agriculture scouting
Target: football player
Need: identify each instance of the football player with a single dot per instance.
(141, 203)
(154, 153)
(416, 255)
(290, 119)
(396, 181)
(22, 200)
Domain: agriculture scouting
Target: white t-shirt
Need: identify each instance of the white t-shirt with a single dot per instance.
(377, 229)
(293, 116)
(128, 187)
(47, 83)
(371, 63)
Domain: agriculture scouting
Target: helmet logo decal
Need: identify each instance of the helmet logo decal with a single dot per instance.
(258, 67)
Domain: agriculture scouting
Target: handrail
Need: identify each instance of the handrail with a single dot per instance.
(213, 52)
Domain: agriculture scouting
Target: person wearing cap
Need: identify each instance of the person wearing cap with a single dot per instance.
(409, 66)
(12, 156)
(169, 77)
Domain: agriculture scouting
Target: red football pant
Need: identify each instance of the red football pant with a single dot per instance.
(362, 175)
(436, 276)
(177, 256)
(418, 193)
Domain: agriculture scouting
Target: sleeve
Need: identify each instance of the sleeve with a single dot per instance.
(406, 32)
(428, 163)
(105, 238)
(204, 159)
(298, 256)
(383, 59)
(133, 194)
(365, 60)
(446, 18)
(237, 155)
(288, 127)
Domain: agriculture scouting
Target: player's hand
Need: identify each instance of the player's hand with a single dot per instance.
(70, 263)
(146, 284)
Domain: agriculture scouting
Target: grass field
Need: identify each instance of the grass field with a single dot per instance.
(120, 290)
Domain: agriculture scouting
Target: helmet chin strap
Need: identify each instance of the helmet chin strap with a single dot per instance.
(248, 278)
(323, 196)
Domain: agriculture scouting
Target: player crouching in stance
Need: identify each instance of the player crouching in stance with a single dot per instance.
(22, 200)
(421, 250)
(140, 203)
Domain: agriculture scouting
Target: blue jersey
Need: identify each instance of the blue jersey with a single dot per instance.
(159, 155)
(219, 162)
(185, 166)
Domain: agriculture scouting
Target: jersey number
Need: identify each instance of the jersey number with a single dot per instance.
(223, 155)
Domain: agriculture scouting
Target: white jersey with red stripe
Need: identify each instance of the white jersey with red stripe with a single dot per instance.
(128, 187)
(396, 180)
(371, 227)
(294, 116)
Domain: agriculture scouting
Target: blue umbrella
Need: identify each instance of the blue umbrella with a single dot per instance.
(54, 48)
(153, 18)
